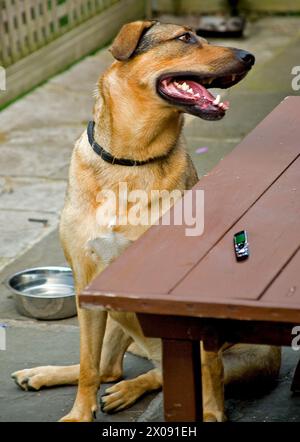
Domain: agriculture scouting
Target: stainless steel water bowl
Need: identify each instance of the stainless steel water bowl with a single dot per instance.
(44, 292)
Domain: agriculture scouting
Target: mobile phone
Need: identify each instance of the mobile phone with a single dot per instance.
(241, 245)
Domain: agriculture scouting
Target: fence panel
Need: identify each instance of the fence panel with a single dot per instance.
(27, 25)
(39, 38)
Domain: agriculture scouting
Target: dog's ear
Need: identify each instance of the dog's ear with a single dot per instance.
(128, 38)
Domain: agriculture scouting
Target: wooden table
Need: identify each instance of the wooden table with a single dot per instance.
(187, 289)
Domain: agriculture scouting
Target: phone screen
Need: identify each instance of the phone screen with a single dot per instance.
(240, 237)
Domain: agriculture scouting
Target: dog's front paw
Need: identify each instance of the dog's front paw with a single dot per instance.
(214, 416)
(119, 396)
(29, 379)
(80, 414)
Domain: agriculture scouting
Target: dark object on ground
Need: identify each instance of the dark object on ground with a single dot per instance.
(221, 27)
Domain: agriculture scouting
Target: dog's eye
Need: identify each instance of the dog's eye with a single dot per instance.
(187, 38)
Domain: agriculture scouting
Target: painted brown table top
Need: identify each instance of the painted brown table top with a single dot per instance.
(257, 188)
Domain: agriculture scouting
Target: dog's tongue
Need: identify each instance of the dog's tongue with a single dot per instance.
(194, 93)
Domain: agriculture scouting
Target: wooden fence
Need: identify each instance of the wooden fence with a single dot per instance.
(27, 25)
(39, 38)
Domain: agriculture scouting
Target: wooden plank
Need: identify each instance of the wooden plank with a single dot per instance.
(54, 16)
(65, 50)
(206, 308)
(12, 34)
(71, 14)
(21, 28)
(5, 55)
(182, 400)
(165, 255)
(100, 5)
(274, 236)
(83, 9)
(46, 18)
(76, 11)
(286, 288)
(38, 11)
(93, 5)
(216, 331)
(29, 26)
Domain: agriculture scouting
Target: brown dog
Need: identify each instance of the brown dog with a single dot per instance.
(161, 71)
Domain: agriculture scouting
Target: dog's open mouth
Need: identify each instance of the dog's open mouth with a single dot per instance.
(191, 93)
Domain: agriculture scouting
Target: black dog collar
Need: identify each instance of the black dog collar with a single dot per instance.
(106, 156)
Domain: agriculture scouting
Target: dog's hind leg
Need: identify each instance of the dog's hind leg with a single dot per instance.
(125, 393)
(115, 344)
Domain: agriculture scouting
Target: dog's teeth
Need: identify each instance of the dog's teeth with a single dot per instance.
(217, 100)
(223, 106)
(197, 95)
(190, 91)
(185, 86)
(178, 85)
(233, 77)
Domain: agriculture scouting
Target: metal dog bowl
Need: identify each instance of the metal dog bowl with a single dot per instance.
(44, 292)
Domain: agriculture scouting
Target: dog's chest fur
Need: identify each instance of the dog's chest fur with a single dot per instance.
(92, 218)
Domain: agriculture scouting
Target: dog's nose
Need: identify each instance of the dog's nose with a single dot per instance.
(245, 57)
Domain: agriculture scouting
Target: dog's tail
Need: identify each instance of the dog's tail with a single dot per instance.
(245, 363)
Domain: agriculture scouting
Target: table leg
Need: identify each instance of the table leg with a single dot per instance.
(182, 384)
(295, 388)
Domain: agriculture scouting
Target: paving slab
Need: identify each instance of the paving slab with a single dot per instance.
(33, 194)
(211, 151)
(29, 347)
(36, 160)
(276, 74)
(18, 233)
